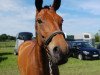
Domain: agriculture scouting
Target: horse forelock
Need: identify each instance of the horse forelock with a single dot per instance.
(46, 7)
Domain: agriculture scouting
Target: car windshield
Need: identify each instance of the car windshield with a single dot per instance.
(26, 36)
(83, 44)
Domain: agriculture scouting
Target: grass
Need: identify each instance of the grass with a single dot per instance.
(8, 64)
(7, 44)
(8, 61)
(79, 67)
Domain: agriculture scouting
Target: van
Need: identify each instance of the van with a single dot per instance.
(20, 38)
(87, 37)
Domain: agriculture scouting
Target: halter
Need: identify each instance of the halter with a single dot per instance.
(48, 40)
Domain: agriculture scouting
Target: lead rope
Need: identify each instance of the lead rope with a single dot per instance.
(50, 63)
(50, 67)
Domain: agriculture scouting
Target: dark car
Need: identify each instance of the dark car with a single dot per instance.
(83, 50)
(98, 46)
(20, 38)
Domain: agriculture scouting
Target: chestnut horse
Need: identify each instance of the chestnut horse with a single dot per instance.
(43, 55)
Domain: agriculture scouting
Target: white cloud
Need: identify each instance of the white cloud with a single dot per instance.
(8, 5)
(81, 25)
(82, 21)
(16, 17)
(91, 6)
(81, 16)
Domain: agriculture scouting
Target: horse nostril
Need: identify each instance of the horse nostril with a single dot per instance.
(56, 49)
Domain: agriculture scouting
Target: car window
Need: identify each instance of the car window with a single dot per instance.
(79, 44)
(26, 36)
(86, 45)
(82, 44)
(74, 44)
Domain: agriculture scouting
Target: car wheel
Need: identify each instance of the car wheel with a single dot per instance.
(80, 56)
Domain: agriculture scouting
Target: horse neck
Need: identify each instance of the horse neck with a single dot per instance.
(45, 61)
(46, 67)
(39, 39)
(42, 56)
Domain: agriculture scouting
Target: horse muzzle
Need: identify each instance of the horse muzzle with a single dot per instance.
(58, 57)
(57, 50)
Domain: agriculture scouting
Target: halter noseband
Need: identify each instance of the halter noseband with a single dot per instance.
(48, 40)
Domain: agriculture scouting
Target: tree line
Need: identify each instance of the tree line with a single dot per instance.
(97, 37)
(5, 37)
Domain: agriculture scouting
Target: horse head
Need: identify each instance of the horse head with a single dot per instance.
(49, 32)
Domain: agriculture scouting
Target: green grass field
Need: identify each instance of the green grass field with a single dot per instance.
(8, 64)
(79, 67)
(8, 61)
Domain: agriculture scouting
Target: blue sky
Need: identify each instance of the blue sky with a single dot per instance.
(79, 16)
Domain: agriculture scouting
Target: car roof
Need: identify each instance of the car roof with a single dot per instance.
(21, 33)
(24, 32)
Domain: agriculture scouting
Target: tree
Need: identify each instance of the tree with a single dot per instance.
(97, 37)
(11, 37)
(3, 37)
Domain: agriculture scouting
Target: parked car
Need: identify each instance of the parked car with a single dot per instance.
(20, 38)
(83, 50)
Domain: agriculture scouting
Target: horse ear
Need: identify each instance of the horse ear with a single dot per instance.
(38, 4)
(56, 4)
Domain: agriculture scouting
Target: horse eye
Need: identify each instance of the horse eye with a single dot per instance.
(39, 21)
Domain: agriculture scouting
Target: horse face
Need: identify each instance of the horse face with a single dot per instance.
(49, 26)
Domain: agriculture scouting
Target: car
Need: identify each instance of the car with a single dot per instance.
(20, 38)
(83, 50)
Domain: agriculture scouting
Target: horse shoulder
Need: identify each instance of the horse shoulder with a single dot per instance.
(26, 46)
(24, 54)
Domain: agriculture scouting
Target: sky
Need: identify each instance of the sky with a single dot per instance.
(80, 16)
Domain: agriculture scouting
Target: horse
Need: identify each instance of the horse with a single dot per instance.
(49, 49)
